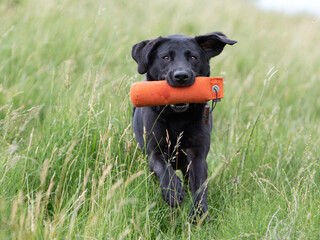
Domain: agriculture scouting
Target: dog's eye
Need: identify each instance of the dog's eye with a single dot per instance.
(166, 58)
(193, 58)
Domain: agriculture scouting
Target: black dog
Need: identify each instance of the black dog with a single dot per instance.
(177, 136)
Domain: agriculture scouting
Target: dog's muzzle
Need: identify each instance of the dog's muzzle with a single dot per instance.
(180, 78)
(181, 107)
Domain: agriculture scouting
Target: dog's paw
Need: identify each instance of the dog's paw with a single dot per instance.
(199, 213)
(173, 194)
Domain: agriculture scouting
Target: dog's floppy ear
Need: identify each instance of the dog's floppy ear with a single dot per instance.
(141, 52)
(213, 43)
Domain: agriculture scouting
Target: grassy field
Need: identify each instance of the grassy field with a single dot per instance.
(69, 165)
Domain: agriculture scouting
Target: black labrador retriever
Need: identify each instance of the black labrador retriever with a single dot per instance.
(177, 136)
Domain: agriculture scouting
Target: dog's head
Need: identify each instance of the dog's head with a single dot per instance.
(178, 59)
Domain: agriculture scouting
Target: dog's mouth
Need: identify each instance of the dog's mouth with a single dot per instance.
(181, 107)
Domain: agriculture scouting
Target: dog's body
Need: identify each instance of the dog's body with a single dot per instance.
(177, 136)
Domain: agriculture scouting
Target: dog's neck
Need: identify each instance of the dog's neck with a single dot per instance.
(195, 110)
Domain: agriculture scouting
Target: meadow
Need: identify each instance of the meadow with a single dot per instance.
(70, 167)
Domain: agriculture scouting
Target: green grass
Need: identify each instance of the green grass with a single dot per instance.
(69, 165)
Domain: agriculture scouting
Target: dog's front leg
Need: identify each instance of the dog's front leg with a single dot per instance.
(197, 177)
(170, 183)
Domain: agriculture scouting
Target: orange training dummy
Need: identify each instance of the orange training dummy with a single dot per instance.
(157, 93)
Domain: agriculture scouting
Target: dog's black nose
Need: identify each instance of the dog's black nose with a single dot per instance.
(181, 76)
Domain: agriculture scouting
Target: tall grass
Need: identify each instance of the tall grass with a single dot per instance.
(69, 165)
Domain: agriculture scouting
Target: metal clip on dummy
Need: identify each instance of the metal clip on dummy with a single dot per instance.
(215, 88)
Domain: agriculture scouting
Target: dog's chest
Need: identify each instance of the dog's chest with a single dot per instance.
(181, 134)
